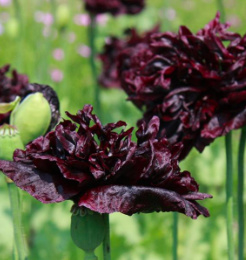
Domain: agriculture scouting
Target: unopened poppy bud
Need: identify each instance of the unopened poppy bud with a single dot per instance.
(53, 100)
(32, 117)
(88, 230)
(10, 140)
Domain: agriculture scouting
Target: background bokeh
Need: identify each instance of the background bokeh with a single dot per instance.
(47, 40)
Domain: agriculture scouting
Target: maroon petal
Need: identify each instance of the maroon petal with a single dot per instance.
(45, 187)
(133, 199)
(114, 7)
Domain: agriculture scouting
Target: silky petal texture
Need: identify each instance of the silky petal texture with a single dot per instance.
(194, 83)
(114, 7)
(134, 199)
(113, 54)
(77, 161)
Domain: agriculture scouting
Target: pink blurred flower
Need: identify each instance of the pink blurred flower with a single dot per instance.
(56, 75)
(45, 18)
(46, 31)
(48, 19)
(84, 51)
(5, 2)
(170, 14)
(102, 19)
(234, 20)
(58, 54)
(82, 19)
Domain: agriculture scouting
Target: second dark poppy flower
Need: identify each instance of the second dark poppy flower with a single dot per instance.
(114, 58)
(114, 7)
(195, 83)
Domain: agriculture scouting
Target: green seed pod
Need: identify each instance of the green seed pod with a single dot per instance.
(9, 141)
(88, 231)
(32, 117)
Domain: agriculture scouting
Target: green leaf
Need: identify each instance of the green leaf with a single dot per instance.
(7, 107)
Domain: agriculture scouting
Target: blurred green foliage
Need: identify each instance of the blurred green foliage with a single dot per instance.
(28, 45)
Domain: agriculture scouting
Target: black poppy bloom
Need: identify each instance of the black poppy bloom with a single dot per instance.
(195, 83)
(114, 48)
(114, 7)
(99, 167)
(18, 85)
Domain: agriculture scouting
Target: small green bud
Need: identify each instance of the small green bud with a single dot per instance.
(9, 141)
(88, 230)
(62, 15)
(32, 117)
(7, 107)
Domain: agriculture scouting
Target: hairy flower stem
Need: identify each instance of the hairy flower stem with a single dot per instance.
(229, 195)
(106, 241)
(92, 37)
(240, 194)
(175, 235)
(20, 244)
(221, 8)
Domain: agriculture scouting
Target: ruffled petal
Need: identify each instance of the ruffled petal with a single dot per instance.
(132, 199)
(43, 186)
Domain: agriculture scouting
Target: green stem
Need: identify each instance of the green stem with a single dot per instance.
(221, 8)
(229, 195)
(240, 188)
(106, 241)
(53, 9)
(90, 256)
(17, 10)
(20, 244)
(92, 36)
(166, 24)
(175, 235)
(18, 14)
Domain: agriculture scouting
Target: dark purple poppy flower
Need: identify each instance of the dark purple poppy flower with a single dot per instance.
(18, 85)
(101, 168)
(115, 48)
(114, 7)
(195, 83)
